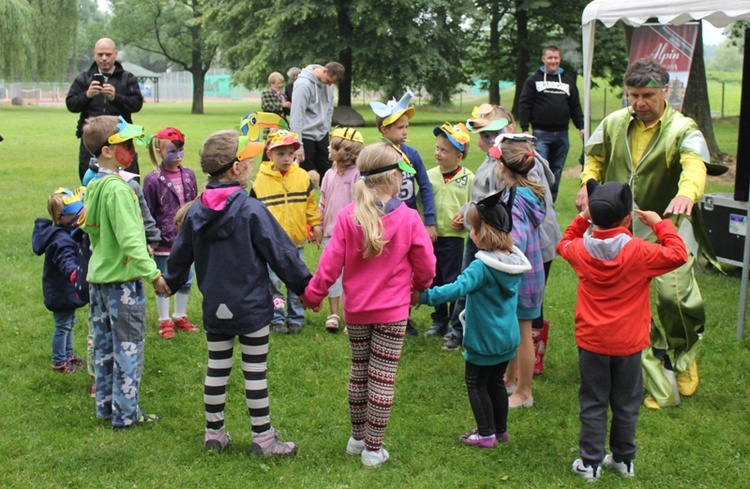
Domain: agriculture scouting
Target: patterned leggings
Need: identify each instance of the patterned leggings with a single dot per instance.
(376, 349)
(254, 348)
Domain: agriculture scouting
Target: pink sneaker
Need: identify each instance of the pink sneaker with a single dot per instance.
(269, 445)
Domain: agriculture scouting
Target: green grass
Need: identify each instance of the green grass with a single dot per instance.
(51, 438)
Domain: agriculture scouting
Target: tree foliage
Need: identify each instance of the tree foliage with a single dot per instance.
(36, 37)
(15, 37)
(171, 28)
(92, 26)
(727, 58)
(390, 45)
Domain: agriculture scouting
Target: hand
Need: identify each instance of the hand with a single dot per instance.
(649, 218)
(431, 233)
(308, 305)
(414, 300)
(286, 104)
(586, 214)
(300, 156)
(94, 89)
(150, 250)
(108, 91)
(314, 177)
(457, 224)
(679, 205)
(582, 198)
(161, 287)
(317, 235)
(582, 132)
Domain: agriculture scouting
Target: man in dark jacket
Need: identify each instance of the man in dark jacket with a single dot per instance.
(104, 89)
(548, 101)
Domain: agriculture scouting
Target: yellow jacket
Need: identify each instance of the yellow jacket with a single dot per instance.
(290, 198)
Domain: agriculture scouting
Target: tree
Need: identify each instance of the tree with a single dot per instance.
(15, 31)
(484, 45)
(33, 43)
(391, 44)
(92, 26)
(696, 103)
(171, 28)
(727, 58)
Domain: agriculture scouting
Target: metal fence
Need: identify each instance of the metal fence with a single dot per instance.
(176, 86)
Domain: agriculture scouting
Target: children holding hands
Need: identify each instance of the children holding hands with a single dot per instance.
(392, 120)
(490, 325)
(166, 189)
(119, 263)
(287, 192)
(234, 241)
(336, 192)
(613, 318)
(385, 252)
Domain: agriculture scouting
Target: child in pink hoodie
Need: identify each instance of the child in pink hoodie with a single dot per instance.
(385, 253)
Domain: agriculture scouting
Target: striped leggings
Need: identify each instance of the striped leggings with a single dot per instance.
(254, 348)
(376, 349)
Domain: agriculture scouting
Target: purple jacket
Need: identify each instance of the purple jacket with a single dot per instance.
(528, 215)
(163, 202)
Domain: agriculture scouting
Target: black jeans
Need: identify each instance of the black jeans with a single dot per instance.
(457, 329)
(316, 156)
(488, 397)
(449, 252)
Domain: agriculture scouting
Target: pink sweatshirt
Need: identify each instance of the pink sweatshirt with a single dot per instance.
(377, 289)
(336, 192)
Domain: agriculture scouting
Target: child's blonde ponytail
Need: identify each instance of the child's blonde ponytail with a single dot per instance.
(367, 213)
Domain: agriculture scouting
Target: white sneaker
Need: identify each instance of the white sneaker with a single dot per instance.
(355, 447)
(622, 468)
(587, 472)
(374, 459)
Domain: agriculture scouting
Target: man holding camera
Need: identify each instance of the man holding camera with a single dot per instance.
(104, 89)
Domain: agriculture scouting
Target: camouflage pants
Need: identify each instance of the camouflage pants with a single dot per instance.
(118, 314)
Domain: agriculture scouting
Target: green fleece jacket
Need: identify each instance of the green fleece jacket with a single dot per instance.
(118, 242)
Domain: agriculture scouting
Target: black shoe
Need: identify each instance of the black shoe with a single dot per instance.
(452, 343)
(410, 329)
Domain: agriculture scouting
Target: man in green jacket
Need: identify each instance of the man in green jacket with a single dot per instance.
(663, 156)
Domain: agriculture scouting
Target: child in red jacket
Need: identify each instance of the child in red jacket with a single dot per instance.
(613, 318)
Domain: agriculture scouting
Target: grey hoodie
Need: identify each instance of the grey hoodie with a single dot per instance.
(312, 106)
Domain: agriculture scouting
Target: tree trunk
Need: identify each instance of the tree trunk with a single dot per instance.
(199, 81)
(494, 79)
(696, 103)
(345, 31)
(522, 71)
(197, 69)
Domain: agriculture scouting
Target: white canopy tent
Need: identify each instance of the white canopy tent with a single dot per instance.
(720, 13)
(635, 13)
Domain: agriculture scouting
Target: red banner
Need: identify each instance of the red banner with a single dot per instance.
(673, 47)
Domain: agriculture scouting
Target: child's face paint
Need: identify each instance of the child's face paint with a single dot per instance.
(124, 154)
(171, 155)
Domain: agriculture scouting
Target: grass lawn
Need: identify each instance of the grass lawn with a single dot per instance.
(51, 438)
